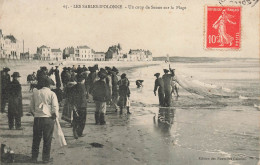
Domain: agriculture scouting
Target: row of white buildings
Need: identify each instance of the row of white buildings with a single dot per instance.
(11, 48)
(114, 53)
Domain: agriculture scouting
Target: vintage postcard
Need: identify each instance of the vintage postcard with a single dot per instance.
(129, 82)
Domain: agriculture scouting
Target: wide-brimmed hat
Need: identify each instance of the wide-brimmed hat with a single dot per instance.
(114, 69)
(91, 69)
(157, 74)
(16, 74)
(108, 68)
(166, 70)
(6, 69)
(44, 68)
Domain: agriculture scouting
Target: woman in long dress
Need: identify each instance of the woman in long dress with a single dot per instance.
(220, 24)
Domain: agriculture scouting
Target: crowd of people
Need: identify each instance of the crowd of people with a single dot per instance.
(75, 87)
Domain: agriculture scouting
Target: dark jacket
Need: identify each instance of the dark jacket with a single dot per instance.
(124, 87)
(92, 77)
(57, 78)
(79, 96)
(159, 84)
(115, 86)
(167, 79)
(100, 91)
(65, 77)
(15, 106)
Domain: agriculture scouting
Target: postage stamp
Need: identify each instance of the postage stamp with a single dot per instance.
(223, 27)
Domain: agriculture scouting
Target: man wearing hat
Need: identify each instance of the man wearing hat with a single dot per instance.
(5, 81)
(159, 84)
(100, 96)
(109, 83)
(79, 102)
(15, 106)
(44, 107)
(92, 78)
(115, 87)
(167, 79)
(57, 77)
(124, 93)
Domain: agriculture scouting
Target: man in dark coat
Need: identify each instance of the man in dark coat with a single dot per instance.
(159, 84)
(115, 87)
(15, 106)
(5, 81)
(58, 91)
(80, 107)
(167, 79)
(124, 93)
(57, 77)
(100, 96)
(65, 77)
(78, 71)
(92, 78)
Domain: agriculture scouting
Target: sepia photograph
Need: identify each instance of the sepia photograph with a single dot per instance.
(140, 82)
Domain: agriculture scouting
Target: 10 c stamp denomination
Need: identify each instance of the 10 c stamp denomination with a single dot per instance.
(223, 27)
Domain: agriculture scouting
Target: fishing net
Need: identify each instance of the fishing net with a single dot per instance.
(203, 89)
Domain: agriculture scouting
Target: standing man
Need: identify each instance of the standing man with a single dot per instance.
(58, 91)
(124, 93)
(79, 102)
(114, 87)
(159, 84)
(167, 79)
(100, 96)
(57, 77)
(109, 83)
(92, 78)
(5, 81)
(15, 106)
(45, 108)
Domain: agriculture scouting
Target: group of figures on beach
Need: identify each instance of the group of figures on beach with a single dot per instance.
(80, 86)
(166, 86)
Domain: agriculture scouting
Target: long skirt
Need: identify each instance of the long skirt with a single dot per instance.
(67, 113)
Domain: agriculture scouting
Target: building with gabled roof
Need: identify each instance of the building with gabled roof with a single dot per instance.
(84, 53)
(56, 54)
(44, 53)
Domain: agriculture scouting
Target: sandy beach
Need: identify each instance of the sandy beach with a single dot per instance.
(195, 130)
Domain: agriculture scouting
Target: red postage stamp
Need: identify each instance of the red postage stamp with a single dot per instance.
(223, 29)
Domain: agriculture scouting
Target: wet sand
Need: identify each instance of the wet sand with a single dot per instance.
(193, 131)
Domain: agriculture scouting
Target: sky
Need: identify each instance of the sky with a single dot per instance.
(173, 32)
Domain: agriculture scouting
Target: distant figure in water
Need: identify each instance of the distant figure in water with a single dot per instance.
(139, 83)
(159, 84)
